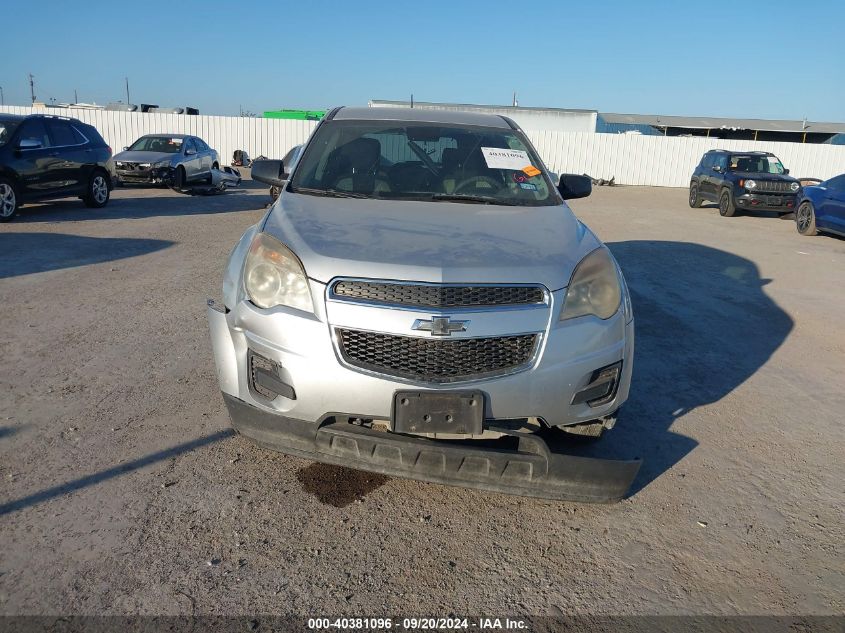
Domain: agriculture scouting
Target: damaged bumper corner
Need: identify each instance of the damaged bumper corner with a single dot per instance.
(531, 470)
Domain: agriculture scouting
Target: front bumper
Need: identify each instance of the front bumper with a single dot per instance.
(766, 201)
(153, 175)
(303, 347)
(529, 470)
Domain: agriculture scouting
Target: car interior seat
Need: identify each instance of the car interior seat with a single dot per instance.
(353, 166)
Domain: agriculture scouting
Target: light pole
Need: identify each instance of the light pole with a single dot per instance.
(2, 98)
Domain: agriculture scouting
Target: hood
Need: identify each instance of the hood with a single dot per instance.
(143, 157)
(438, 242)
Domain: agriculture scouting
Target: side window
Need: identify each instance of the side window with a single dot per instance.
(78, 135)
(722, 162)
(190, 145)
(35, 130)
(201, 146)
(707, 161)
(62, 133)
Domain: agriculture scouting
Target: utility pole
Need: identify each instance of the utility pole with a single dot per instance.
(32, 87)
(2, 99)
(412, 99)
(75, 98)
(127, 91)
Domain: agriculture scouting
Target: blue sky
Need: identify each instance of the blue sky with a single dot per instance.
(702, 58)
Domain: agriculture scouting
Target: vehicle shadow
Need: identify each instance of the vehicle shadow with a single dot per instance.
(704, 325)
(110, 473)
(26, 253)
(122, 206)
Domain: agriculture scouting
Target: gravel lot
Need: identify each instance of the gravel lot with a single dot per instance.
(123, 491)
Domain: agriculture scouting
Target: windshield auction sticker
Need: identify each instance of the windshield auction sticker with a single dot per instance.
(498, 158)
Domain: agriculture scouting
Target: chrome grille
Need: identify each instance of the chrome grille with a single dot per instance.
(438, 361)
(437, 295)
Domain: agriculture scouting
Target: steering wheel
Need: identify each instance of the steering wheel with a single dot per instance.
(474, 180)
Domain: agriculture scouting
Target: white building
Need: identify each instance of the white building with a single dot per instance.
(552, 119)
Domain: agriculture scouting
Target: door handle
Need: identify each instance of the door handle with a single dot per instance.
(54, 154)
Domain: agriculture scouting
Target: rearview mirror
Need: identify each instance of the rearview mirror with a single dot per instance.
(573, 186)
(270, 172)
(29, 143)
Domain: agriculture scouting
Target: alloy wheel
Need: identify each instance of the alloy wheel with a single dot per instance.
(100, 189)
(803, 217)
(7, 200)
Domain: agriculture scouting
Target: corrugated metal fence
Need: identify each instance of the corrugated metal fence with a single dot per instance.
(270, 137)
(632, 159)
(668, 161)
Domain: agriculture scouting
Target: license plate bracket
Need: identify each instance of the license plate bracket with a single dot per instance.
(455, 412)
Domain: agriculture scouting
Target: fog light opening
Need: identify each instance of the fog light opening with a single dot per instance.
(265, 378)
(602, 386)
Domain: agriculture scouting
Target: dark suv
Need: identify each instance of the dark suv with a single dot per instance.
(743, 180)
(44, 156)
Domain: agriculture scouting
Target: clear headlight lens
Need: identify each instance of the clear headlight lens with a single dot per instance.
(162, 163)
(594, 287)
(795, 186)
(750, 184)
(274, 276)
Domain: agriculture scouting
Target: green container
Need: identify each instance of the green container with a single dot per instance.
(300, 115)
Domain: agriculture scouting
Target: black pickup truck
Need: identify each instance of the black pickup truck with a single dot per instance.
(755, 181)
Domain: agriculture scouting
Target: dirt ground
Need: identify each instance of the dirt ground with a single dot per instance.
(123, 491)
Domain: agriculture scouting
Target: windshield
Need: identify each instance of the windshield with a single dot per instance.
(756, 164)
(164, 144)
(414, 161)
(7, 128)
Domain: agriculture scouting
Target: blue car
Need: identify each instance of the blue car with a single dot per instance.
(822, 208)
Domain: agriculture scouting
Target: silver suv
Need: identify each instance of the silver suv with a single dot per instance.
(421, 302)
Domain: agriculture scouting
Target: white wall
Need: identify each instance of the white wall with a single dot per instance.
(632, 159)
(270, 137)
(668, 161)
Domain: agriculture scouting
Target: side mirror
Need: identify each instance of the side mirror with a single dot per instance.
(716, 168)
(786, 171)
(126, 149)
(190, 152)
(29, 143)
(555, 177)
(270, 172)
(572, 186)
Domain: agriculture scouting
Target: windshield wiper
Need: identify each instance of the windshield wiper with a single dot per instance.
(456, 197)
(328, 193)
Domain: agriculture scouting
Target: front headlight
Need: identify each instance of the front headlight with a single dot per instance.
(162, 163)
(274, 276)
(594, 287)
(750, 184)
(794, 186)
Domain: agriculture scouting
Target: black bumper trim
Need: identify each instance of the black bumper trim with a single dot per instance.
(531, 470)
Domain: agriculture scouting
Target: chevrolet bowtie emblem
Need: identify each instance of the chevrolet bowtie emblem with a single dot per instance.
(440, 326)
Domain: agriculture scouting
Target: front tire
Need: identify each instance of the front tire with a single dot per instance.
(727, 209)
(805, 219)
(8, 200)
(180, 179)
(694, 198)
(97, 195)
